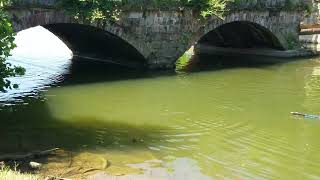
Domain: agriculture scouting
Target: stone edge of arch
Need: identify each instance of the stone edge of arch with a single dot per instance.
(29, 20)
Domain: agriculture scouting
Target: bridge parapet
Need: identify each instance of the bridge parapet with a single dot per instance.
(269, 4)
(236, 5)
(33, 3)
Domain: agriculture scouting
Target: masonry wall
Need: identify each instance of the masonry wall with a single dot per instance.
(267, 4)
(168, 34)
(163, 36)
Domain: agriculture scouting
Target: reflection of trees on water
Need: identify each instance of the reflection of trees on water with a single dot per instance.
(312, 91)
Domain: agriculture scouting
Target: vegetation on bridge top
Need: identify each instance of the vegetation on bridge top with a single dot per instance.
(110, 9)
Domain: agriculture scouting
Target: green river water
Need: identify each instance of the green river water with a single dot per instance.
(229, 121)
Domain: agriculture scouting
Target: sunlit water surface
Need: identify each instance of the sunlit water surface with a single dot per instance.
(231, 122)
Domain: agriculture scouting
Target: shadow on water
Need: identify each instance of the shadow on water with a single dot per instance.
(84, 71)
(211, 62)
(26, 129)
(30, 126)
(26, 123)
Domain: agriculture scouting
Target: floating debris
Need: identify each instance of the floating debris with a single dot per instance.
(306, 116)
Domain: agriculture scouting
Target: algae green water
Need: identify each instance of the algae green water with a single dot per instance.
(233, 122)
(230, 121)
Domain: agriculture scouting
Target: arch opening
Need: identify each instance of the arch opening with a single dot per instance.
(242, 35)
(91, 43)
(45, 58)
(234, 44)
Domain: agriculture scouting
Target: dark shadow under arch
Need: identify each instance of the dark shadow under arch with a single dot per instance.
(241, 34)
(98, 44)
(232, 45)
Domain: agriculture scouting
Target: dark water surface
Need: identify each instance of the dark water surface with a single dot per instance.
(229, 121)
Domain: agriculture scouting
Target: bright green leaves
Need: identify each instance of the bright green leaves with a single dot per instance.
(4, 3)
(215, 8)
(6, 45)
(92, 10)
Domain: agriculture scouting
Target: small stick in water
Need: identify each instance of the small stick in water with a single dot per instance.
(307, 116)
(297, 114)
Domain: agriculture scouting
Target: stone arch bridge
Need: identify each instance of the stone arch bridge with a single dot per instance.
(161, 37)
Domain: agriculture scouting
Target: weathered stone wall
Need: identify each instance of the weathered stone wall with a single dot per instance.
(283, 24)
(163, 36)
(267, 4)
(168, 34)
(238, 4)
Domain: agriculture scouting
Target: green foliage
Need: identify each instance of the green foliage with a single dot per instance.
(6, 45)
(308, 9)
(4, 3)
(94, 10)
(182, 62)
(292, 41)
(91, 10)
(211, 7)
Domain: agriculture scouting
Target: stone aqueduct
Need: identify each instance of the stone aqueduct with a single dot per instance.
(161, 37)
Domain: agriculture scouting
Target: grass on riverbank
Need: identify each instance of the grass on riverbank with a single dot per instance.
(6, 174)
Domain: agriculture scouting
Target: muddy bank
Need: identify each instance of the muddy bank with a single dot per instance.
(61, 164)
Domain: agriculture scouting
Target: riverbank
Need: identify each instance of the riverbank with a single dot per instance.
(67, 165)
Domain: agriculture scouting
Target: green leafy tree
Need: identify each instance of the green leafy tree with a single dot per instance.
(209, 8)
(6, 45)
